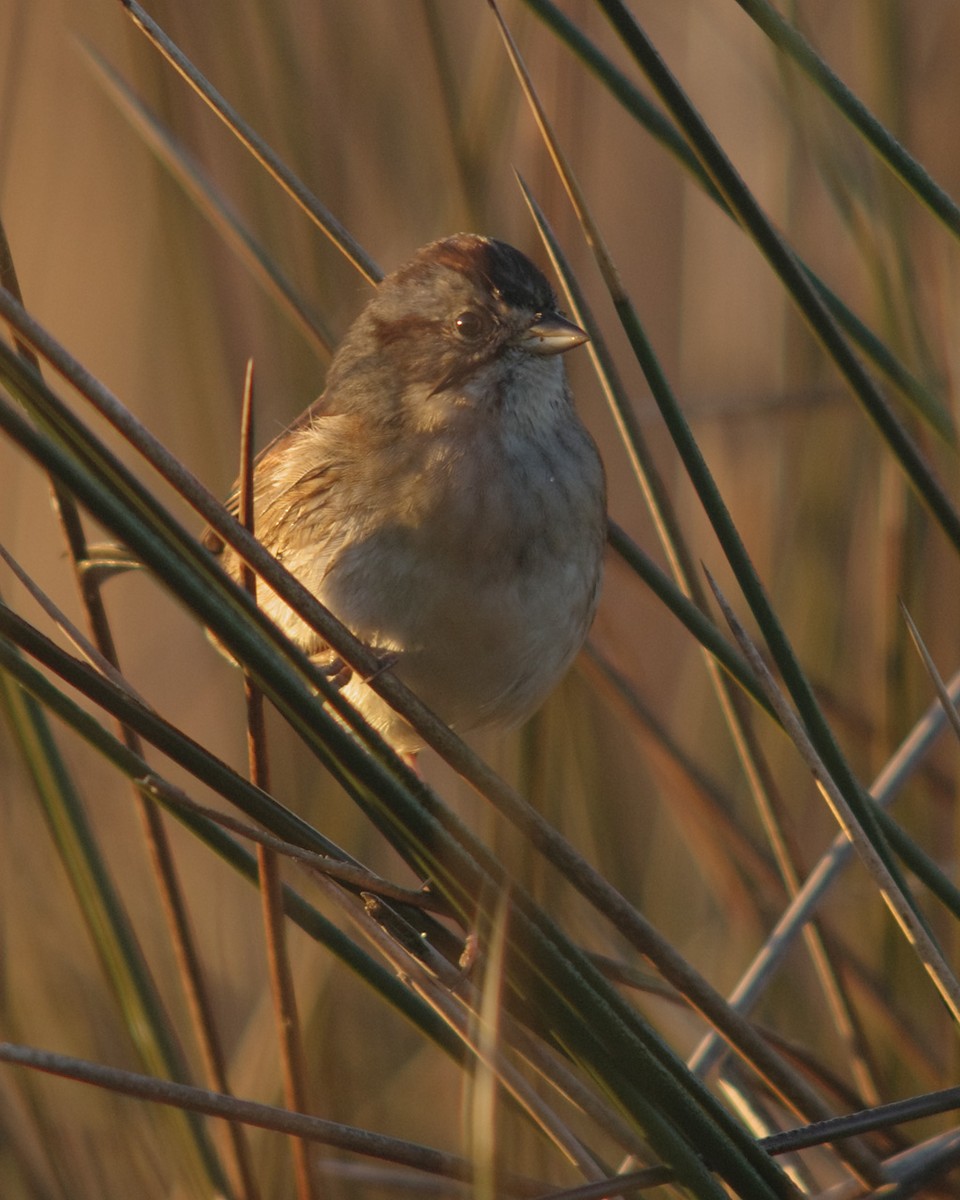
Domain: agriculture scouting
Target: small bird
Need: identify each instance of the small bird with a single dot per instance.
(442, 497)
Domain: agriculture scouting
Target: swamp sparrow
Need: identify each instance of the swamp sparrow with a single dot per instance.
(442, 497)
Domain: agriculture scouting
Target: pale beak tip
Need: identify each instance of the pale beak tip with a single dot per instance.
(552, 334)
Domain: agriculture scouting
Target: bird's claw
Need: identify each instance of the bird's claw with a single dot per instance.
(336, 672)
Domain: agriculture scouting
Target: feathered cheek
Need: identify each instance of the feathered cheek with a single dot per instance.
(417, 351)
(460, 373)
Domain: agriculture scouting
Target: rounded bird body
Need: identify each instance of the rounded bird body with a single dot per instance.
(442, 498)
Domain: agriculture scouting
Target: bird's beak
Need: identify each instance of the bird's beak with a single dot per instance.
(551, 334)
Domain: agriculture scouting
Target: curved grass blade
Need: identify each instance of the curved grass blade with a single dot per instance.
(200, 188)
(689, 615)
(910, 172)
(929, 406)
(913, 925)
(827, 871)
(261, 151)
(783, 262)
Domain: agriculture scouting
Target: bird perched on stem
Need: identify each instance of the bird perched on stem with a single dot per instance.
(442, 497)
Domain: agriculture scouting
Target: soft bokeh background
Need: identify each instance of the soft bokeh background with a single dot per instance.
(405, 119)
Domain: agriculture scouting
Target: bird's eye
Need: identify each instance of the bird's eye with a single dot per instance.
(471, 325)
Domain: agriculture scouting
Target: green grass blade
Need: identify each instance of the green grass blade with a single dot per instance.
(928, 405)
(109, 927)
(788, 39)
(785, 265)
(272, 815)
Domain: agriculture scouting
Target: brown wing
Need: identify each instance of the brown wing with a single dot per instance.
(210, 538)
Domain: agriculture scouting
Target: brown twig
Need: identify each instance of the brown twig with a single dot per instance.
(268, 863)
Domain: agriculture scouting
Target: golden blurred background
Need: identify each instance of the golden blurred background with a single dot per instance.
(406, 120)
